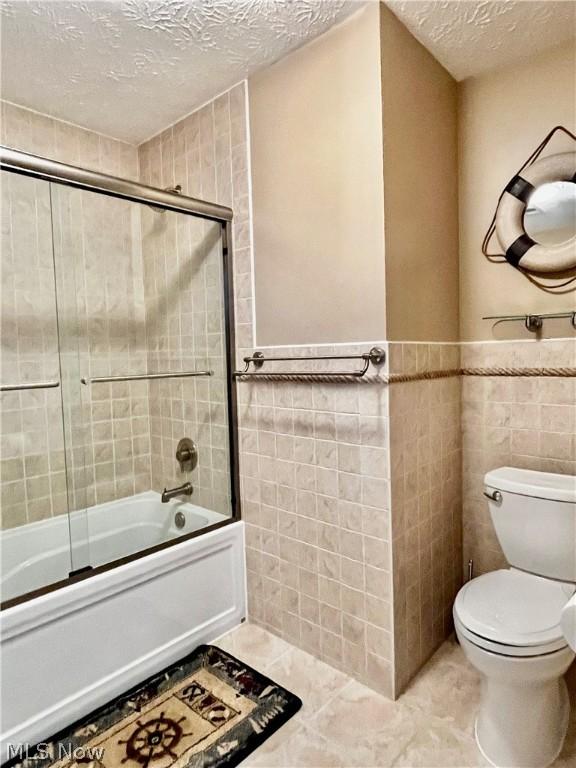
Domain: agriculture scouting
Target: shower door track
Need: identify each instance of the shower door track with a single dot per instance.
(27, 164)
(51, 170)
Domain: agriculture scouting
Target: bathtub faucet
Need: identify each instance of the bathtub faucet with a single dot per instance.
(181, 490)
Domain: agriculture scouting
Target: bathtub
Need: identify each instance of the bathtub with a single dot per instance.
(38, 554)
(70, 650)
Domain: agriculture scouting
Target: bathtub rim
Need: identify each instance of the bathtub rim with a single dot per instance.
(89, 572)
(20, 620)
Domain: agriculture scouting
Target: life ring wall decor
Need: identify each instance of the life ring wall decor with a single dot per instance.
(520, 250)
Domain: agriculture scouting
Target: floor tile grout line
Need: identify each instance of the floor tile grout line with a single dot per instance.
(331, 699)
(285, 652)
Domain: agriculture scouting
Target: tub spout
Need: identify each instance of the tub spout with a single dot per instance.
(181, 490)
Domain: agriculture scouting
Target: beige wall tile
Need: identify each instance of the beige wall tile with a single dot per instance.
(512, 422)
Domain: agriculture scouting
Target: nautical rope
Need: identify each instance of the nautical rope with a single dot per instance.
(555, 372)
(400, 378)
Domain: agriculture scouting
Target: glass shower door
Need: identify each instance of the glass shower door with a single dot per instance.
(35, 541)
(113, 357)
(143, 348)
(102, 336)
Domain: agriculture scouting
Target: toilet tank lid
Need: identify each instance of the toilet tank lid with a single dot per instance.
(528, 482)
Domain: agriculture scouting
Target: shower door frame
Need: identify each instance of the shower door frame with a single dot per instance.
(35, 166)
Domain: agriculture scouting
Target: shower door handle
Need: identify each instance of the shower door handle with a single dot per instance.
(32, 385)
(145, 376)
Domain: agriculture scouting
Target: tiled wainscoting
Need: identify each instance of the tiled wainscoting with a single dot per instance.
(314, 523)
(508, 421)
(425, 453)
(315, 488)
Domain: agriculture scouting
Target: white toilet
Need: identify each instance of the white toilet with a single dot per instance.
(509, 621)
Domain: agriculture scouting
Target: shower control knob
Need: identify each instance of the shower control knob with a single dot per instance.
(187, 455)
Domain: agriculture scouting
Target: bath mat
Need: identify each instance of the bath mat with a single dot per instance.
(208, 710)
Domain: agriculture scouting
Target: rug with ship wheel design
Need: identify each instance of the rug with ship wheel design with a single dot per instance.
(209, 710)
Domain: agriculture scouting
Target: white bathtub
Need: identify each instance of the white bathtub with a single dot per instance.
(71, 650)
(39, 554)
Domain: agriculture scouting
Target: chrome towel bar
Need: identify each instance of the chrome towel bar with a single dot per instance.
(32, 385)
(376, 356)
(533, 321)
(146, 376)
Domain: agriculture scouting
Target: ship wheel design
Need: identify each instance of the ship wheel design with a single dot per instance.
(153, 740)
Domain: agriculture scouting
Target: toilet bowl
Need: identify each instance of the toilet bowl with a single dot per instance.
(508, 625)
(510, 622)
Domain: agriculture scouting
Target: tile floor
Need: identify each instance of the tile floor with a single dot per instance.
(344, 723)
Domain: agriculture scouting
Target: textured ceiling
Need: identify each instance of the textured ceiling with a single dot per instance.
(129, 68)
(470, 37)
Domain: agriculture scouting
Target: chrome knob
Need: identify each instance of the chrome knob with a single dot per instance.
(493, 496)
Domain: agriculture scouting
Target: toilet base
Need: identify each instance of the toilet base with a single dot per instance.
(492, 749)
(524, 707)
(522, 724)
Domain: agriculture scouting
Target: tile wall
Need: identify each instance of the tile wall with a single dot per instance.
(99, 277)
(32, 479)
(207, 154)
(426, 502)
(32, 470)
(315, 480)
(520, 422)
(138, 290)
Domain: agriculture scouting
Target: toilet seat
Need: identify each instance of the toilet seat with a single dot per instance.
(501, 649)
(513, 613)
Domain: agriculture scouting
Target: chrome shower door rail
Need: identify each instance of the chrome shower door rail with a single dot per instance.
(146, 376)
(51, 170)
(32, 385)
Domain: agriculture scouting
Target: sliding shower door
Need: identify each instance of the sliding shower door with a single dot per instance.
(142, 330)
(116, 429)
(35, 542)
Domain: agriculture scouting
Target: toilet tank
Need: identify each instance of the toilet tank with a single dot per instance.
(534, 514)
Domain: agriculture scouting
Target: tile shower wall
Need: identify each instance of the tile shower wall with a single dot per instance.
(315, 479)
(506, 421)
(207, 154)
(32, 478)
(426, 502)
(99, 276)
(32, 459)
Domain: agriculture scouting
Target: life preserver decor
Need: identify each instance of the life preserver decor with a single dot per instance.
(519, 248)
(535, 218)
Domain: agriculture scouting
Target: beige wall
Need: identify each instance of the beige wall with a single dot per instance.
(420, 189)
(317, 190)
(502, 118)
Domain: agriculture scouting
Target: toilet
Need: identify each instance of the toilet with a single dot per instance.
(509, 622)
